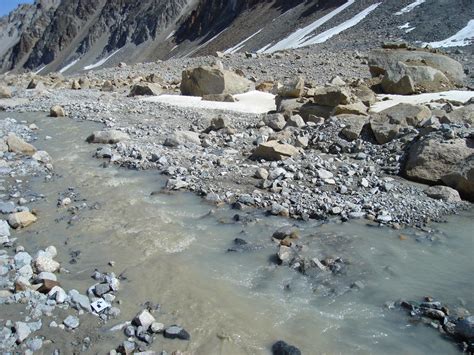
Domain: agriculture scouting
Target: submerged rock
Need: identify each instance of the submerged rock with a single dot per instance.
(282, 348)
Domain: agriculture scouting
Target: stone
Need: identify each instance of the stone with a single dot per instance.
(5, 92)
(275, 121)
(21, 259)
(144, 319)
(332, 96)
(295, 121)
(47, 286)
(272, 151)
(176, 332)
(101, 289)
(337, 81)
(261, 173)
(4, 228)
(386, 125)
(43, 157)
(58, 294)
(21, 219)
(80, 301)
(412, 71)
(433, 160)
(205, 80)
(75, 85)
(107, 86)
(292, 88)
(145, 89)
(57, 111)
(285, 254)
(71, 322)
(356, 108)
(181, 138)
(444, 193)
(365, 94)
(286, 232)
(22, 331)
(282, 348)
(156, 327)
(17, 145)
(44, 263)
(324, 174)
(464, 329)
(7, 207)
(353, 125)
(107, 137)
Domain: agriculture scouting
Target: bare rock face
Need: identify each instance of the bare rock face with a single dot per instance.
(204, 81)
(387, 124)
(408, 72)
(449, 162)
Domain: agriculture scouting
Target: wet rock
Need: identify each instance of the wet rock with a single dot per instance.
(204, 80)
(145, 89)
(71, 322)
(21, 219)
(273, 150)
(144, 319)
(18, 145)
(57, 111)
(176, 332)
(286, 232)
(464, 329)
(444, 193)
(282, 348)
(107, 137)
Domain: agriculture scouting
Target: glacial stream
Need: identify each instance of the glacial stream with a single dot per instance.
(172, 250)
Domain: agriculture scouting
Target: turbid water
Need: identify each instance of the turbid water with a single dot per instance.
(173, 251)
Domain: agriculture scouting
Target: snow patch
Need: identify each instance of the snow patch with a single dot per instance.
(40, 70)
(410, 7)
(407, 25)
(323, 37)
(392, 100)
(101, 62)
(170, 35)
(256, 102)
(238, 46)
(298, 37)
(464, 37)
(68, 66)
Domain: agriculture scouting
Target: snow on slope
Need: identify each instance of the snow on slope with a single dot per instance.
(296, 38)
(68, 66)
(241, 44)
(464, 37)
(101, 62)
(323, 37)
(410, 7)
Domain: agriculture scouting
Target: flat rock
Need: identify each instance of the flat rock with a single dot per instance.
(273, 150)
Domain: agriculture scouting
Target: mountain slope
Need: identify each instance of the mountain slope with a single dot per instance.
(74, 35)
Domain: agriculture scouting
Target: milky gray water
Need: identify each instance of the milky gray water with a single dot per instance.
(173, 252)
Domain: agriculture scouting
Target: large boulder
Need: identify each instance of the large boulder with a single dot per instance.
(433, 160)
(353, 125)
(412, 71)
(332, 96)
(386, 125)
(292, 88)
(57, 111)
(272, 150)
(145, 89)
(204, 80)
(5, 92)
(17, 145)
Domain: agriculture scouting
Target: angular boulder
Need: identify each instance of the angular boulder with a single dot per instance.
(386, 125)
(5, 92)
(272, 151)
(412, 71)
(145, 89)
(204, 80)
(21, 219)
(433, 160)
(17, 145)
(444, 193)
(57, 111)
(292, 88)
(332, 96)
(353, 125)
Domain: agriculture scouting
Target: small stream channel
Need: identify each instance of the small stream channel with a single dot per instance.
(173, 251)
